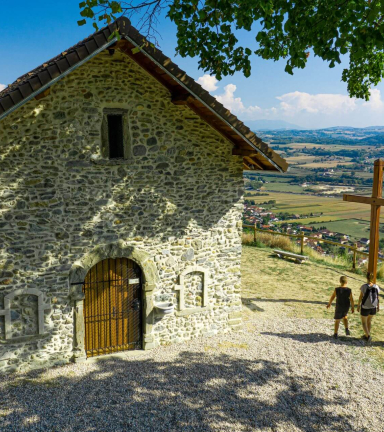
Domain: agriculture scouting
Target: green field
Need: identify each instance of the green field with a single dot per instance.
(321, 210)
(356, 228)
(282, 187)
(344, 217)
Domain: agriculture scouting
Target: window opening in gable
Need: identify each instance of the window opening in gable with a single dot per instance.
(115, 136)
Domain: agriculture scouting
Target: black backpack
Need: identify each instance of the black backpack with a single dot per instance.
(372, 292)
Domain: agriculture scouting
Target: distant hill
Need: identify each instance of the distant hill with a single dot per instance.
(264, 124)
(373, 135)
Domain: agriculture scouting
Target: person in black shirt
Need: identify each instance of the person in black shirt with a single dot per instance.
(344, 300)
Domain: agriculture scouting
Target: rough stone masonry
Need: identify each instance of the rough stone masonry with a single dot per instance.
(173, 204)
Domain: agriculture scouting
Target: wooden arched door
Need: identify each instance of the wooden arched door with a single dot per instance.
(112, 307)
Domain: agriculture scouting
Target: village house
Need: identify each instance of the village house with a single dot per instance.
(327, 233)
(121, 199)
(364, 241)
(305, 228)
(317, 235)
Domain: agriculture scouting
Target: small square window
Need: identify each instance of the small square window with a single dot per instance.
(115, 136)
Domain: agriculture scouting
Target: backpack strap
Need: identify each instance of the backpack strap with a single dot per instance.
(366, 295)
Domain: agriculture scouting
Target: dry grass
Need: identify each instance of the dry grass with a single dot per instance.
(380, 272)
(268, 240)
(275, 241)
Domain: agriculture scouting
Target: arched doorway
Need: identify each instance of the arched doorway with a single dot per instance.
(113, 307)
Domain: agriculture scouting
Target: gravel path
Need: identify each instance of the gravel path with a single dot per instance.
(287, 375)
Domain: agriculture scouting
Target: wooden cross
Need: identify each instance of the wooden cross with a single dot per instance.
(376, 201)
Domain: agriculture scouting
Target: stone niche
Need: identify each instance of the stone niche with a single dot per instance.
(23, 314)
(193, 291)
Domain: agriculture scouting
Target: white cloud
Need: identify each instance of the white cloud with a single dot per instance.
(313, 110)
(235, 104)
(208, 82)
(2, 86)
(327, 103)
(375, 103)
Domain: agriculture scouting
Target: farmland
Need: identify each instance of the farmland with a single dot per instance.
(332, 208)
(337, 215)
(320, 172)
(357, 228)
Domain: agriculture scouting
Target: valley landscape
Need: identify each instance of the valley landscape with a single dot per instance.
(324, 164)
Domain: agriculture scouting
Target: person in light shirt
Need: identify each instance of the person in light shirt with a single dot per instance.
(368, 305)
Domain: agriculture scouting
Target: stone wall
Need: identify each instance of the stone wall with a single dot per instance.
(178, 197)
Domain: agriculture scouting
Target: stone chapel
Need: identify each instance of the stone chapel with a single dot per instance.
(121, 195)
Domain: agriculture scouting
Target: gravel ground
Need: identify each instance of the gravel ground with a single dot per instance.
(286, 375)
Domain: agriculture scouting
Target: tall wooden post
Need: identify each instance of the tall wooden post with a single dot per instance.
(377, 191)
(254, 232)
(376, 201)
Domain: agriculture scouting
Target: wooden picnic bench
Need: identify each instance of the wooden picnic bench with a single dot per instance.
(283, 254)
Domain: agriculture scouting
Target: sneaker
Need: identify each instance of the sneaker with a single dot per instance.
(347, 332)
(335, 336)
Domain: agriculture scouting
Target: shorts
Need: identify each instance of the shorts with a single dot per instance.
(341, 313)
(366, 312)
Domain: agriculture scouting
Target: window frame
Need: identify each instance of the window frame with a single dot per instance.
(105, 146)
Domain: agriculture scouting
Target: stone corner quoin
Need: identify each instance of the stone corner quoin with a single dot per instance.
(174, 202)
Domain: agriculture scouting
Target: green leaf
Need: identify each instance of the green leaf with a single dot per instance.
(81, 22)
(288, 69)
(115, 7)
(284, 30)
(343, 50)
(135, 50)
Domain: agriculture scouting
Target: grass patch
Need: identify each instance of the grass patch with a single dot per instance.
(274, 288)
(282, 187)
(275, 241)
(356, 228)
(268, 240)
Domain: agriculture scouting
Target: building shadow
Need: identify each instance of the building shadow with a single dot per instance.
(324, 337)
(193, 392)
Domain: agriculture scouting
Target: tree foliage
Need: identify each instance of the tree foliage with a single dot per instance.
(279, 29)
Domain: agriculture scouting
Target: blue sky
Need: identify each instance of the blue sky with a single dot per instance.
(314, 97)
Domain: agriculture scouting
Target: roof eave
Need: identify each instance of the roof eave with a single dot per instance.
(55, 80)
(242, 136)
